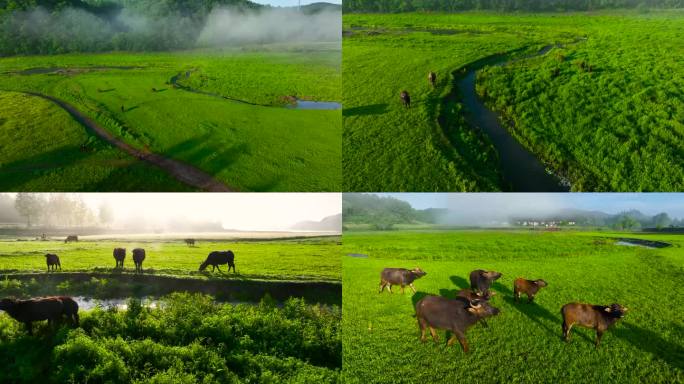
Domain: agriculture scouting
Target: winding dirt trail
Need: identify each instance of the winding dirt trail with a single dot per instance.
(184, 173)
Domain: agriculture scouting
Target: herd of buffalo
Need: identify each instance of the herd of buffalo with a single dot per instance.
(472, 305)
(406, 98)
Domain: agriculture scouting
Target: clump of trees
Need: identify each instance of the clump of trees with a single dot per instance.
(503, 5)
(59, 211)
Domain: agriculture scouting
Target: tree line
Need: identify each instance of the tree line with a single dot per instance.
(388, 6)
(59, 210)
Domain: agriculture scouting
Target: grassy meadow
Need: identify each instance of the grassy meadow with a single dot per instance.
(523, 343)
(615, 127)
(262, 147)
(295, 259)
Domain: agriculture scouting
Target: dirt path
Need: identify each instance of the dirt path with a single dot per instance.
(185, 173)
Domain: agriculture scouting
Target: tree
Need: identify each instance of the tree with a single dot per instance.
(661, 220)
(30, 206)
(106, 215)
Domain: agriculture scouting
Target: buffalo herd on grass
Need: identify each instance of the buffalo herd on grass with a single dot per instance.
(472, 305)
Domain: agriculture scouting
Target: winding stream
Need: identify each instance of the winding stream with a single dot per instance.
(522, 171)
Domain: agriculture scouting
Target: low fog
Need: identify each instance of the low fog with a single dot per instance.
(174, 212)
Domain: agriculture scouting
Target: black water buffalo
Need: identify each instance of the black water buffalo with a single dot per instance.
(119, 256)
(190, 242)
(71, 238)
(399, 276)
(481, 280)
(138, 258)
(405, 99)
(432, 78)
(52, 262)
(455, 315)
(69, 309)
(217, 258)
(528, 287)
(28, 311)
(598, 317)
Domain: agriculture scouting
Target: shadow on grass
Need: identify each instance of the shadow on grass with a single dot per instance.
(650, 342)
(15, 174)
(365, 110)
(460, 282)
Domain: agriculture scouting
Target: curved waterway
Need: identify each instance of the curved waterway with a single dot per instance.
(522, 171)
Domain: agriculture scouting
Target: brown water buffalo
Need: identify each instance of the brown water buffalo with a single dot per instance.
(119, 256)
(528, 287)
(217, 258)
(399, 276)
(190, 242)
(52, 262)
(28, 311)
(432, 78)
(405, 99)
(138, 258)
(455, 315)
(481, 280)
(71, 238)
(598, 317)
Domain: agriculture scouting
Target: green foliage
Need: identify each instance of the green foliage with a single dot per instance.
(523, 343)
(383, 212)
(189, 339)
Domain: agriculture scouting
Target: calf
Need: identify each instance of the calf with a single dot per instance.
(432, 78)
(598, 317)
(71, 238)
(405, 99)
(119, 256)
(528, 287)
(399, 276)
(481, 280)
(455, 315)
(28, 311)
(138, 257)
(190, 242)
(217, 258)
(52, 262)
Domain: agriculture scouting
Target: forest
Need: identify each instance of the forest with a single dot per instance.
(385, 6)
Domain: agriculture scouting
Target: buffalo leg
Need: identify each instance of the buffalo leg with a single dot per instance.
(530, 298)
(598, 337)
(462, 341)
(434, 335)
(412, 288)
(382, 286)
(452, 340)
(219, 268)
(422, 325)
(402, 289)
(389, 286)
(566, 331)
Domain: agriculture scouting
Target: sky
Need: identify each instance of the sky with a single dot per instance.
(243, 211)
(289, 3)
(479, 203)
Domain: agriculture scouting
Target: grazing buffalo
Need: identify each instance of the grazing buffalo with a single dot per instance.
(598, 317)
(71, 238)
(28, 311)
(528, 287)
(405, 99)
(119, 256)
(138, 258)
(217, 258)
(399, 276)
(469, 294)
(455, 315)
(481, 280)
(52, 262)
(190, 242)
(69, 309)
(432, 78)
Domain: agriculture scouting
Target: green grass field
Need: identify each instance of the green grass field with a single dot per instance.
(618, 127)
(298, 259)
(523, 343)
(248, 147)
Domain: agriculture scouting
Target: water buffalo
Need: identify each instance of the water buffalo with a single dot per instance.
(190, 242)
(119, 256)
(528, 287)
(455, 315)
(52, 262)
(469, 294)
(71, 238)
(432, 78)
(217, 258)
(598, 317)
(28, 311)
(69, 309)
(481, 280)
(399, 276)
(138, 258)
(405, 99)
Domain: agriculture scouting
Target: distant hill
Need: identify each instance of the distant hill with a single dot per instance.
(383, 212)
(329, 224)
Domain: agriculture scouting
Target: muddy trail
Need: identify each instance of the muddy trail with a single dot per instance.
(184, 173)
(521, 170)
(112, 285)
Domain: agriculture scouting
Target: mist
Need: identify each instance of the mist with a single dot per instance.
(228, 27)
